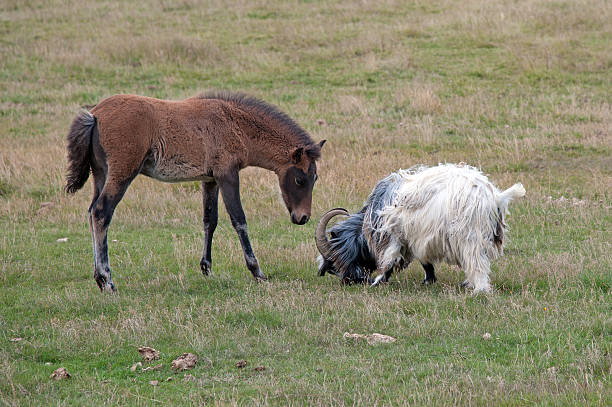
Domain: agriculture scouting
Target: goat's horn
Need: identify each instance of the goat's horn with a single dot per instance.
(320, 233)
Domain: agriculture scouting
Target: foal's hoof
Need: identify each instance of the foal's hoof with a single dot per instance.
(206, 268)
(106, 286)
(104, 283)
(261, 278)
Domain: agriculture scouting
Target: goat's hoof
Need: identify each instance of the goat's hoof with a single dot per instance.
(429, 281)
(206, 268)
(465, 284)
(482, 290)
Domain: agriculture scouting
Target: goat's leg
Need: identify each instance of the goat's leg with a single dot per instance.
(210, 202)
(430, 275)
(382, 277)
(389, 256)
(231, 198)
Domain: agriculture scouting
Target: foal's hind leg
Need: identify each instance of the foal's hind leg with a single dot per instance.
(101, 215)
(98, 183)
(210, 201)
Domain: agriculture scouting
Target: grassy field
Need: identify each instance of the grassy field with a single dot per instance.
(522, 89)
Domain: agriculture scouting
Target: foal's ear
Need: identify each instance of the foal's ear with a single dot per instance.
(297, 155)
(321, 143)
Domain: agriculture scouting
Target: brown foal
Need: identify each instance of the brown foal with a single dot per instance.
(209, 138)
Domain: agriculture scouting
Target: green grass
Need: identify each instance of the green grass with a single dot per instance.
(520, 89)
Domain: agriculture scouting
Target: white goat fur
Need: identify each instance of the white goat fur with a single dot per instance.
(446, 213)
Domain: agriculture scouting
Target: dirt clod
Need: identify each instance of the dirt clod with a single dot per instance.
(185, 361)
(240, 364)
(16, 340)
(259, 368)
(148, 354)
(486, 336)
(60, 374)
(154, 382)
(135, 366)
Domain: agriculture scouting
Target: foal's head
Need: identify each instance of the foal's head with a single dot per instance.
(296, 180)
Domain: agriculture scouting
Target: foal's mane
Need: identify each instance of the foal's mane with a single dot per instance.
(258, 106)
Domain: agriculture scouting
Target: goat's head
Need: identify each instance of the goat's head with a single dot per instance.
(328, 255)
(346, 254)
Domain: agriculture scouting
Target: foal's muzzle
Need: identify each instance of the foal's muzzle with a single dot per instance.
(299, 219)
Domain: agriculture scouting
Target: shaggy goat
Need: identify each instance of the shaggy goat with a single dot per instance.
(446, 213)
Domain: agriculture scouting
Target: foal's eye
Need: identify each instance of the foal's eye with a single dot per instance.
(299, 181)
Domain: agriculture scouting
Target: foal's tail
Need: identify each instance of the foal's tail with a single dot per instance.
(79, 150)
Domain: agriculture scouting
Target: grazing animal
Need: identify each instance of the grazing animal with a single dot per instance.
(446, 213)
(209, 138)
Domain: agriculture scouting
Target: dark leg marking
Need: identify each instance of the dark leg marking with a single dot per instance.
(430, 275)
(210, 202)
(231, 197)
(98, 184)
(101, 215)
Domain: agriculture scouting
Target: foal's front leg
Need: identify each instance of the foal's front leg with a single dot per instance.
(210, 201)
(231, 198)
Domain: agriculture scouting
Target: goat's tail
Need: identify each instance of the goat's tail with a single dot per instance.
(504, 198)
(79, 150)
